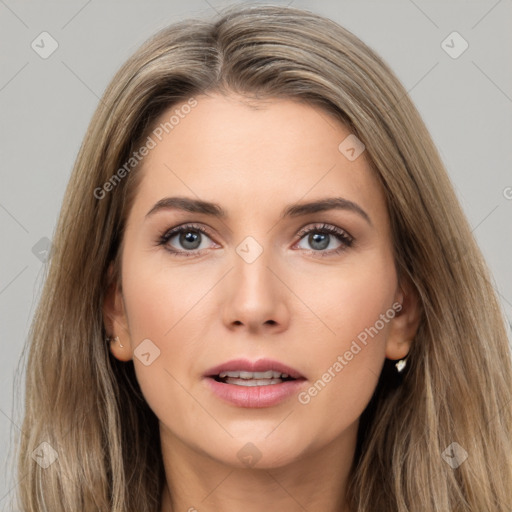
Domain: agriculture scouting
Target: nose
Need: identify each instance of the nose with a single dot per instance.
(256, 298)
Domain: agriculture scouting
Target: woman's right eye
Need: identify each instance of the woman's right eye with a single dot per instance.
(189, 237)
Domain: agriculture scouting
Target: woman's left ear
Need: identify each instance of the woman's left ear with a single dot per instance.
(404, 326)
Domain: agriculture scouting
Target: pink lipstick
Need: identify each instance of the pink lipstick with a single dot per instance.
(254, 384)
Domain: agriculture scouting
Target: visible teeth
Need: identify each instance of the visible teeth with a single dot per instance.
(259, 375)
(269, 374)
(229, 374)
(252, 382)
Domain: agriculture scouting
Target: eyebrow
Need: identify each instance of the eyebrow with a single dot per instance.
(293, 210)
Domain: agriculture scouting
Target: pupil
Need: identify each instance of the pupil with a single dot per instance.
(189, 240)
(321, 238)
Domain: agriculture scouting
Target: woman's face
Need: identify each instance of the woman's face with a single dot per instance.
(314, 290)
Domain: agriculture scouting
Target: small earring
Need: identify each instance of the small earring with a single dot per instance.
(400, 365)
(116, 339)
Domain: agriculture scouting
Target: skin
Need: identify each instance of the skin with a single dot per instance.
(290, 304)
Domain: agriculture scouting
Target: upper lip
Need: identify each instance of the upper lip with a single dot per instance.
(261, 365)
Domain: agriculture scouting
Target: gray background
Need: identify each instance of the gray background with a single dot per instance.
(46, 105)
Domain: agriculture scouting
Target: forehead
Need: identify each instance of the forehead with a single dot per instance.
(253, 155)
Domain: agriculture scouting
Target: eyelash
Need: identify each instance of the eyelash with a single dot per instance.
(345, 239)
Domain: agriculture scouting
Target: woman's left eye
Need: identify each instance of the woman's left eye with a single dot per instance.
(320, 238)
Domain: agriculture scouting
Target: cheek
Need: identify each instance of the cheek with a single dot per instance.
(165, 304)
(159, 297)
(348, 300)
(353, 309)
(162, 306)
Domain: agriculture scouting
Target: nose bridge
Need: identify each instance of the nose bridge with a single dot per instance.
(256, 295)
(252, 261)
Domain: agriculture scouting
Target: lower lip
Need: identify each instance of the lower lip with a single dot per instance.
(255, 396)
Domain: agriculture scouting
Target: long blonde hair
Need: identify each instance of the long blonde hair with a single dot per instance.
(88, 406)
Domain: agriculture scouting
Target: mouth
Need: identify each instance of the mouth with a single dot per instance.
(244, 378)
(243, 372)
(261, 383)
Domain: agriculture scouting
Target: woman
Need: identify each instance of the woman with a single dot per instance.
(264, 293)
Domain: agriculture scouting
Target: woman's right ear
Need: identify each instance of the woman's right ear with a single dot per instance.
(115, 320)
